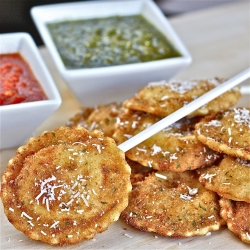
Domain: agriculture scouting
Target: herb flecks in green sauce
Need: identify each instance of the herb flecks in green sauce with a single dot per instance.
(109, 41)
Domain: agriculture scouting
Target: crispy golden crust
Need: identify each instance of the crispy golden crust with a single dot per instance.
(80, 118)
(163, 98)
(66, 185)
(138, 172)
(237, 216)
(175, 148)
(173, 204)
(230, 179)
(227, 132)
(102, 117)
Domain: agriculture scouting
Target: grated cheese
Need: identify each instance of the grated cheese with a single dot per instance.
(185, 197)
(127, 136)
(11, 209)
(156, 149)
(161, 176)
(134, 124)
(243, 162)
(248, 235)
(213, 123)
(80, 211)
(129, 236)
(150, 164)
(23, 214)
(42, 232)
(179, 86)
(208, 176)
(141, 150)
(98, 147)
(192, 191)
(55, 224)
(30, 223)
(242, 116)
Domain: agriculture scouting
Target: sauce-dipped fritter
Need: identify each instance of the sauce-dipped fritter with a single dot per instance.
(174, 205)
(237, 216)
(165, 97)
(66, 185)
(227, 132)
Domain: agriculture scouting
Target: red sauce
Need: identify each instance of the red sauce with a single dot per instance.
(17, 82)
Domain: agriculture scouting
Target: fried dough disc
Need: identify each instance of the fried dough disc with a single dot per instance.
(163, 98)
(102, 118)
(230, 179)
(80, 118)
(66, 185)
(237, 216)
(227, 132)
(173, 204)
(138, 172)
(175, 148)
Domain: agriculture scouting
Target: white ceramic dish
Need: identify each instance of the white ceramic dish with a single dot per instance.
(116, 81)
(18, 121)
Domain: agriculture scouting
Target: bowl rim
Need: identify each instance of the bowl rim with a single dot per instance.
(28, 105)
(55, 98)
(40, 23)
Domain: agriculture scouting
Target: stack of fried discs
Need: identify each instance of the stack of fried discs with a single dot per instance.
(168, 169)
(66, 185)
(229, 134)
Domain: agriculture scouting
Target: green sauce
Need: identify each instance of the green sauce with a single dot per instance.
(110, 41)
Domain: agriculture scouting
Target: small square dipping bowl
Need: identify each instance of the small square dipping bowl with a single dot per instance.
(114, 83)
(19, 121)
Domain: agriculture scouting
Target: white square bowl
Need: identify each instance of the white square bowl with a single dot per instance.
(18, 121)
(107, 84)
